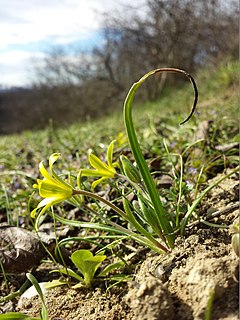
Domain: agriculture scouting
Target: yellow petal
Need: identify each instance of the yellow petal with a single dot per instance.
(52, 159)
(110, 153)
(90, 173)
(48, 189)
(45, 173)
(97, 163)
(47, 203)
(51, 202)
(95, 183)
(41, 204)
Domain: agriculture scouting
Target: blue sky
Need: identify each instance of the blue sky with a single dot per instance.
(30, 28)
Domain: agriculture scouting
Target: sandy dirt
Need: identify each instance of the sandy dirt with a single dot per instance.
(175, 286)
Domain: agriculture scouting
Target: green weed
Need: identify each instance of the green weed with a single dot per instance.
(167, 148)
(153, 226)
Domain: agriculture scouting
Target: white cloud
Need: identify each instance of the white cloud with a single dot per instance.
(14, 66)
(22, 22)
(16, 57)
(63, 21)
(26, 24)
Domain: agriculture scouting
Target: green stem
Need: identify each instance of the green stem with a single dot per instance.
(142, 165)
(97, 197)
(149, 241)
(17, 293)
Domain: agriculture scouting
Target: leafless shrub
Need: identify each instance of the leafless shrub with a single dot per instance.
(186, 34)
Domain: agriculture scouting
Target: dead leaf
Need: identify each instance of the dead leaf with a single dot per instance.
(20, 249)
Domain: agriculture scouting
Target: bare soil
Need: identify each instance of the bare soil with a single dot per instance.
(174, 286)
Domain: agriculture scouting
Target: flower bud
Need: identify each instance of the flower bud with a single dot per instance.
(130, 170)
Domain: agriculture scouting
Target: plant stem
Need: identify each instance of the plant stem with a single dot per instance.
(97, 197)
(142, 165)
(17, 293)
(149, 241)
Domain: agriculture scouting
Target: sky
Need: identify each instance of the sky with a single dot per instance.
(30, 28)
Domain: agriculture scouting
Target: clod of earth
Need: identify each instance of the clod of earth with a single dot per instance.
(21, 250)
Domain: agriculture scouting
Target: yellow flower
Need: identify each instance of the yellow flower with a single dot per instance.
(101, 169)
(52, 187)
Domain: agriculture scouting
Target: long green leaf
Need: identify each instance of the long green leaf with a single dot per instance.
(142, 165)
(115, 229)
(16, 316)
(110, 268)
(155, 245)
(44, 312)
(68, 272)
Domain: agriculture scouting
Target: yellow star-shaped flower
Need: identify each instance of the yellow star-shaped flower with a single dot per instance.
(52, 187)
(101, 169)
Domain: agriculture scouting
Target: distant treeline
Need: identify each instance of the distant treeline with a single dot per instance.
(185, 34)
(31, 109)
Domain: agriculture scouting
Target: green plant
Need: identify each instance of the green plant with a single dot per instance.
(43, 312)
(22, 316)
(151, 224)
(208, 311)
(87, 264)
(16, 316)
